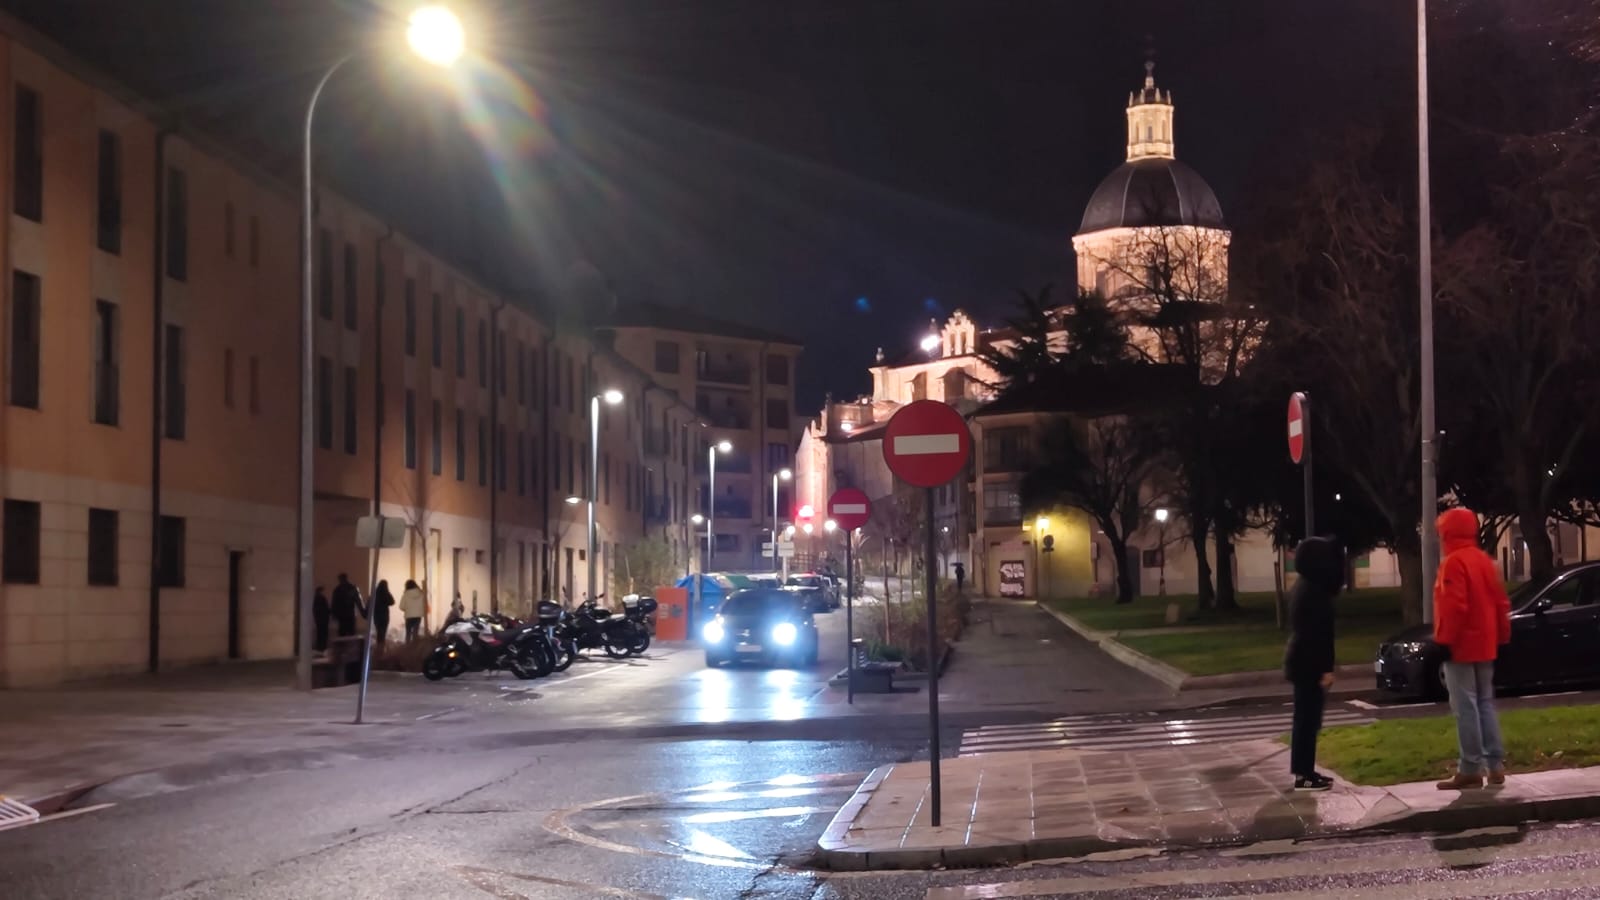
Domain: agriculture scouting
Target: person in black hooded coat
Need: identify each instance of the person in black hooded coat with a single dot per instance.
(1308, 661)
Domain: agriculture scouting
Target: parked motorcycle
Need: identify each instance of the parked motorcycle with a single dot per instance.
(637, 610)
(552, 622)
(530, 642)
(592, 626)
(476, 644)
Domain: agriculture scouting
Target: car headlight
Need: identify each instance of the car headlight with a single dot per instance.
(713, 632)
(784, 633)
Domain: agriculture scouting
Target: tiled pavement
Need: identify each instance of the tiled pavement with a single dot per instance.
(1048, 804)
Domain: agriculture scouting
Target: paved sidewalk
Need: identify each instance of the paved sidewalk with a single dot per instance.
(1008, 807)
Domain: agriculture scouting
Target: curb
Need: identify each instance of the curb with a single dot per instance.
(843, 675)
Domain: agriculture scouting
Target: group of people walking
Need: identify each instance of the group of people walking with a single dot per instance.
(347, 604)
(1471, 621)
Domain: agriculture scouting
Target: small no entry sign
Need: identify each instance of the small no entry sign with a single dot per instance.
(850, 508)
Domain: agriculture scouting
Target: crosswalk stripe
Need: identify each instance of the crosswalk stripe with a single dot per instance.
(1120, 732)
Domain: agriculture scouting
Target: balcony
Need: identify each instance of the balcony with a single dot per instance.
(733, 508)
(736, 419)
(736, 464)
(724, 373)
(658, 510)
(657, 445)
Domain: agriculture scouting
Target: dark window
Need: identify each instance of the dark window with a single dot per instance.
(555, 462)
(500, 362)
(351, 261)
(777, 370)
(522, 464)
(411, 429)
(255, 242)
(778, 413)
(107, 389)
(177, 225)
(255, 385)
(411, 317)
(28, 173)
(572, 385)
(483, 354)
(571, 458)
(778, 456)
(437, 439)
(169, 568)
(522, 375)
(324, 403)
(325, 274)
(461, 342)
(1005, 449)
(533, 378)
(1152, 558)
(483, 452)
(555, 378)
(102, 547)
(175, 405)
(500, 457)
(21, 553)
(461, 446)
(227, 230)
(227, 378)
(605, 478)
(667, 357)
(350, 410)
(1002, 505)
(108, 194)
(438, 332)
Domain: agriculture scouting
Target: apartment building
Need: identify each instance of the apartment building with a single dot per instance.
(150, 426)
(741, 382)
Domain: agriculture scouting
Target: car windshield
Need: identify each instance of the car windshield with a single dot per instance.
(804, 581)
(758, 603)
(1526, 591)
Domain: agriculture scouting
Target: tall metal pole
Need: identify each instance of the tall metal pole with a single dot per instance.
(850, 616)
(774, 518)
(302, 534)
(1309, 481)
(933, 668)
(711, 506)
(594, 482)
(1430, 431)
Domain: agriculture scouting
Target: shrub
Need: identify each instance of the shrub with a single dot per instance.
(403, 656)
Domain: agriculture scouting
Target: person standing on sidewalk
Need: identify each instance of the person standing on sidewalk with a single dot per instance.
(346, 603)
(961, 576)
(412, 605)
(1471, 619)
(381, 600)
(1308, 661)
(319, 621)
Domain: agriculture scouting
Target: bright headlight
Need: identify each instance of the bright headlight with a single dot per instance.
(784, 633)
(713, 632)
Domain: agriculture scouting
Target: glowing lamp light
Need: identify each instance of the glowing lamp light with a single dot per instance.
(930, 343)
(829, 526)
(846, 427)
(1161, 515)
(784, 633)
(612, 396)
(574, 501)
(1042, 523)
(436, 35)
(807, 511)
(785, 474)
(697, 519)
(724, 446)
(806, 528)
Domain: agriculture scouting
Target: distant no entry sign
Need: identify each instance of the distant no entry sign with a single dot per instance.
(1297, 426)
(850, 508)
(926, 443)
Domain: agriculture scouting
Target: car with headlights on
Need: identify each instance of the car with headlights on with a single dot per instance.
(1555, 636)
(762, 625)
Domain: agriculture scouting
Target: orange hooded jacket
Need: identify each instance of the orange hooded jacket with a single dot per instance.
(1471, 614)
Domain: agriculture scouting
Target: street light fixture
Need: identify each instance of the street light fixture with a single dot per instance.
(574, 501)
(780, 475)
(711, 498)
(1161, 554)
(435, 35)
(829, 526)
(612, 397)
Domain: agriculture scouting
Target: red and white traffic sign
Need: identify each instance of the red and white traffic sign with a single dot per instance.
(926, 443)
(1297, 426)
(849, 508)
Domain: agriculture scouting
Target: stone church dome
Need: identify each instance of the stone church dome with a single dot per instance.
(1152, 192)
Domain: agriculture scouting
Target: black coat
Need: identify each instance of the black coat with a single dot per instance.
(1320, 564)
(346, 603)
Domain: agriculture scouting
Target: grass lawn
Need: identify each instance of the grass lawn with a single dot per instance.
(1400, 750)
(1255, 608)
(1253, 648)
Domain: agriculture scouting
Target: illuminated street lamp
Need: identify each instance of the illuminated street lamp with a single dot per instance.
(611, 397)
(1161, 555)
(435, 35)
(784, 475)
(711, 499)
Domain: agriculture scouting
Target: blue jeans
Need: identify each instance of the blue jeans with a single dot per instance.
(1471, 687)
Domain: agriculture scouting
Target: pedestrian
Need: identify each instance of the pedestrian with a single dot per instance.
(346, 603)
(381, 601)
(319, 619)
(412, 605)
(961, 576)
(1471, 619)
(1308, 659)
(458, 611)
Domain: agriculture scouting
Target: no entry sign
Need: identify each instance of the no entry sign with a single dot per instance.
(926, 443)
(850, 508)
(1297, 426)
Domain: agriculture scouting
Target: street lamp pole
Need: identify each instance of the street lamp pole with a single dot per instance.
(1430, 434)
(711, 499)
(613, 398)
(785, 474)
(1161, 554)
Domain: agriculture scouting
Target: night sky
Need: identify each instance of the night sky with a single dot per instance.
(838, 171)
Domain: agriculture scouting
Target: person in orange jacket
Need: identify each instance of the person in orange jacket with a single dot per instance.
(1471, 619)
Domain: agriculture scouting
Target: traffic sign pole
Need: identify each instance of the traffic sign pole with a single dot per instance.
(850, 616)
(933, 667)
(1305, 465)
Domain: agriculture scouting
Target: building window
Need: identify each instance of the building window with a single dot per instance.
(555, 378)
(21, 552)
(350, 410)
(255, 386)
(778, 413)
(24, 355)
(411, 317)
(255, 242)
(177, 225)
(522, 376)
(1001, 504)
(227, 230)
(324, 403)
(605, 477)
(572, 385)
(667, 357)
(351, 261)
(483, 353)
(227, 378)
(1005, 450)
(107, 390)
(572, 457)
(175, 405)
(102, 547)
(483, 452)
(410, 427)
(500, 457)
(461, 342)
(461, 446)
(777, 370)
(325, 274)
(28, 151)
(555, 462)
(436, 440)
(533, 378)
(522, 464)
(778, 456)
(500, 362)
(108, 193)
(169, 567)
(438, 331)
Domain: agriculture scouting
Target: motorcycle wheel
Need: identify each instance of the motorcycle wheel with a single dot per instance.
(641, 640)
(454, 668)
(564, 655)
(521, 668)
(616, 651)
(544, 657)
(432, 670)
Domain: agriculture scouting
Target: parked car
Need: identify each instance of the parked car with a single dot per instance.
(762, 625)
(813, 581)
(1555, 630)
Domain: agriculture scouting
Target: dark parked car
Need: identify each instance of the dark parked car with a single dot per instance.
(1555, 633)
(819, 583)
(762, 625)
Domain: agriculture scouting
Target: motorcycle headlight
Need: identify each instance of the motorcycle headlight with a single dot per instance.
(713, 632)
(784, 633)
(1411, 648)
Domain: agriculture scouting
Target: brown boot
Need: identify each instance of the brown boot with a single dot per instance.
(1459, 782)
(1497, 776)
